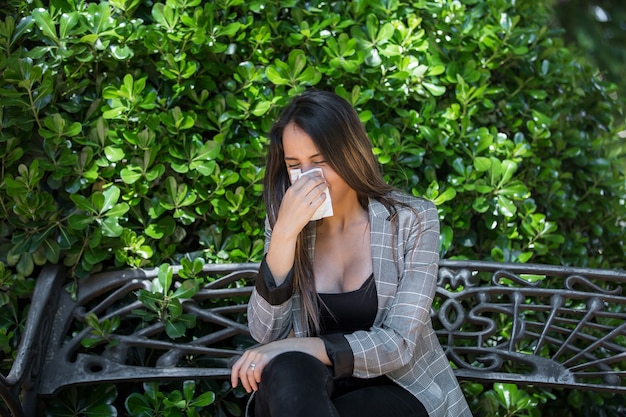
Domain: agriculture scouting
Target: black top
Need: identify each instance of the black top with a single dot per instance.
(349, 311)
(337, 346)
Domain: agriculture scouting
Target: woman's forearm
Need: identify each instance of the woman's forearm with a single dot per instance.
(280, 256)
(249, 367)
(314, 346)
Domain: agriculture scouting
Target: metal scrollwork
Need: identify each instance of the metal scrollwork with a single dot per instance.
(566, 327)
(506, 322)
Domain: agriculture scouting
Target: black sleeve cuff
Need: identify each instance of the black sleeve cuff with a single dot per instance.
(266, 285)
(340, 354)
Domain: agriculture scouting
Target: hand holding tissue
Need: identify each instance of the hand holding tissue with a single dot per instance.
(326, 209)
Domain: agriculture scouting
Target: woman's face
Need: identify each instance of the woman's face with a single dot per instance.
(302, 153)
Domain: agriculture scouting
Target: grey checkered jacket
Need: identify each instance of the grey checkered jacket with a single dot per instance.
(402, 343)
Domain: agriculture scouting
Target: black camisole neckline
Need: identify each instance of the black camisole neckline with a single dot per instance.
(350, 311)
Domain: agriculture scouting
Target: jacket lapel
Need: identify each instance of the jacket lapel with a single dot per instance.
(383, 255)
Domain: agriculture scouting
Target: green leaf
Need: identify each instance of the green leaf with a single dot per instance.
(506, 206)
(111, 195)
(187, 289)
(139, 406)
(174, 308)
(121, 52)
(509, 168)
(209, 150)
(189, 389)
(203, 400)
(130, 174)
(45, 23)
(164, 279)
(480, 205)
(52, 250)
(175, 330)
(274, 76)
(80, 221)
(447, 195)
(68, 21)
(153, 299)
(92, 320)
(446, 236)
(98, 402)
(165, 16)
(482, 164)
(110, 227)
(83, 203)
(114, 154)
(261, 108)
(24, 26)
(164, 227)
(435, 90)
(118, 210)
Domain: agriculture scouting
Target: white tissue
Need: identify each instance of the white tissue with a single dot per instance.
(326, 209)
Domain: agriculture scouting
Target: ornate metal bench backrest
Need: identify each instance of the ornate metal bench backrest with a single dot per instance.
(534, 324)
(520, 323)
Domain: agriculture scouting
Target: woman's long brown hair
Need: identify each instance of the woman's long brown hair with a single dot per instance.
(335, 128)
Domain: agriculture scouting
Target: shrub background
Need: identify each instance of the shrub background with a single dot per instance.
(133, 133)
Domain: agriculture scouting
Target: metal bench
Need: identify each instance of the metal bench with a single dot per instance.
(519, 323)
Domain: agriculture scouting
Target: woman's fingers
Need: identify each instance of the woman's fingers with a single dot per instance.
(302, 199)
(248, 371)
(251, 375)
(249, 367)
(309, 185)
(234, 373)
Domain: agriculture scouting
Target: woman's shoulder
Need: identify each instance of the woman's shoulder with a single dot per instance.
(407, 204)
(403, 204)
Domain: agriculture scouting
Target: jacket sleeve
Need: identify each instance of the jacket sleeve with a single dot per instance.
(270, 307)
(391, 342)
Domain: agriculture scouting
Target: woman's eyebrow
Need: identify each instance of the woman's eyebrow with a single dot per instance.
(291, 158)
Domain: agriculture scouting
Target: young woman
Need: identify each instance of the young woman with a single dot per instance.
(342, 304)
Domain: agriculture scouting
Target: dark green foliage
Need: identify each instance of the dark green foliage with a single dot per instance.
(132, 133)
(598, 27)
(84, 402)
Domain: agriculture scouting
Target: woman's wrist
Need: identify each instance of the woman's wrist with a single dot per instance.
(313, 346)
(269, 289)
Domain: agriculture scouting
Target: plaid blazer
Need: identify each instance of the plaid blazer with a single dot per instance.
(402, 343)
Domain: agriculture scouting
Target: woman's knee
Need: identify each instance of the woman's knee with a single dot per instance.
(294, 362)
(294, 383)
(297, 365)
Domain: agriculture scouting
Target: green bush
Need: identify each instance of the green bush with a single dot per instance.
(593, 24)
(132, 133)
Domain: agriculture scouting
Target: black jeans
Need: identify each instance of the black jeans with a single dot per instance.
(296, 384)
